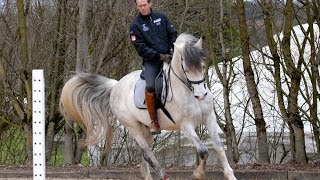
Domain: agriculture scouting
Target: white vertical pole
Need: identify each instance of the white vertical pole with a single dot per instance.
(38, 123)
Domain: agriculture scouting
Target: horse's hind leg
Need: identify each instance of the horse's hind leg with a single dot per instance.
(142, 137)
(145, 171)
(189, 132)
(213, 132)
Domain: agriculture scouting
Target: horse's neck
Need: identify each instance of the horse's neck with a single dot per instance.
(173, 68)
(175, 77)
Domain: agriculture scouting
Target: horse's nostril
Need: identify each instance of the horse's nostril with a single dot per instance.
(201, 97)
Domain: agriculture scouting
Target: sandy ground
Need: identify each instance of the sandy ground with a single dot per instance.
(253, 171)
(50, 179)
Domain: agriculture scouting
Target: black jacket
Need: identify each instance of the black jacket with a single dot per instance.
(152, 35)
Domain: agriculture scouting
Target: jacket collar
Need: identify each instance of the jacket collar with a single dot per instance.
(146, 16)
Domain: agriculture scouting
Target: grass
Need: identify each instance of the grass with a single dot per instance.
(13, 152)
(57, 157)
(12, 148)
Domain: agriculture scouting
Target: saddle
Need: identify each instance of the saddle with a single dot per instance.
(161, 90)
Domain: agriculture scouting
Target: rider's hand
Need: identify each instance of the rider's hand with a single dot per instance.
(166, 57)
(171, 51)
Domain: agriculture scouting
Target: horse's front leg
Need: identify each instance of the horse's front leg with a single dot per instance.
(189, 132)
(212, 127)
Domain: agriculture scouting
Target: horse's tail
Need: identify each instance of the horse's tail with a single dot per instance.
(85, 100)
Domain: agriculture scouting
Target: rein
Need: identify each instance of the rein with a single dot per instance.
(187, 83)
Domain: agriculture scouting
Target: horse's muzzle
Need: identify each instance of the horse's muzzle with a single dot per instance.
(202, 97)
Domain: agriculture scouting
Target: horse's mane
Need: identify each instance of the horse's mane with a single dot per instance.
(193, 56)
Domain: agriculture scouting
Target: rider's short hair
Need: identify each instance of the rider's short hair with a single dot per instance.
(135, 1)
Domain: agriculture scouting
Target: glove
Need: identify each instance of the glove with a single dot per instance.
(171, 51)
(166, 58)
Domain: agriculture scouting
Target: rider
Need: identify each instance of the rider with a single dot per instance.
(153, 36)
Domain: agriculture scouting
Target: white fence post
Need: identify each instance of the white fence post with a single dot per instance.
(38, 124)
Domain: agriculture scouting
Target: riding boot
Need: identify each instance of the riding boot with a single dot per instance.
(151, 105)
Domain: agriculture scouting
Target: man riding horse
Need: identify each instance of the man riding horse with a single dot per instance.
(153, 36)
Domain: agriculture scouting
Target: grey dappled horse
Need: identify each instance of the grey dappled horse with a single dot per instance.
(91, 100)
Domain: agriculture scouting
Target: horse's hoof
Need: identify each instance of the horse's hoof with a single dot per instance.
(198, 176)
(166, 177)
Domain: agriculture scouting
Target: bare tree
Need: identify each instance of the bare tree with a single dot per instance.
(252, 87)
(294, 72)
(222, 73)
(291, 112)
(25, 77)
(82, 37)
(312, 12)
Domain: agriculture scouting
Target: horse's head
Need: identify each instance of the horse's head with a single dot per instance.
(188, 57)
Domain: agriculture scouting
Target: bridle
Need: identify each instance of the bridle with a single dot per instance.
(188, 83)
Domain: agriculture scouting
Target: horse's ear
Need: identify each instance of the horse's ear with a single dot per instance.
(199, 44)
